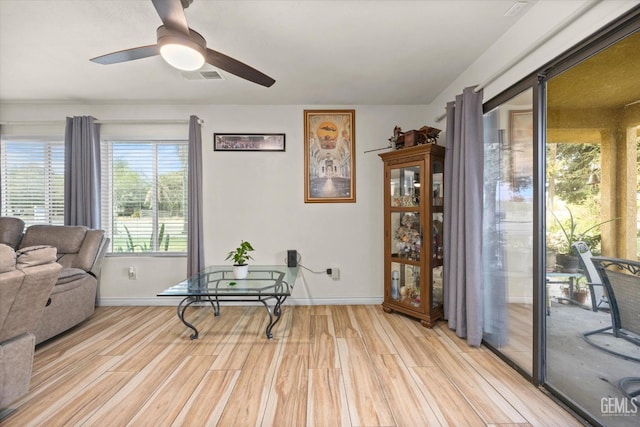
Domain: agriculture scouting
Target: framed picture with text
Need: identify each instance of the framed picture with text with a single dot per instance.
(329, 156)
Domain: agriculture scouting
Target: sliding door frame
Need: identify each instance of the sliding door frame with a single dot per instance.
(530, 82)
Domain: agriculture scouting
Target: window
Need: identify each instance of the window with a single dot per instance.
(144, 190)
(144, 195)
(32, 180)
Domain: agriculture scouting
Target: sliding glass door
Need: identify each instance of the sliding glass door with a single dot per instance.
(561, 173)
(593, 192)
(561, 186)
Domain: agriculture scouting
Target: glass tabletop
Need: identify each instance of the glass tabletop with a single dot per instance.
(217, 280)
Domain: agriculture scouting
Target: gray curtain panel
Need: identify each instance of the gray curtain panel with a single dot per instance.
(463, 216)
(195, 244)
(82, 172)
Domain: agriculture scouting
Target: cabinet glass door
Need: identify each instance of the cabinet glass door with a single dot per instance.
(407, 235)
(437, 213)
(405, 284)
(437, 178)
(405, 187)
(436, 259)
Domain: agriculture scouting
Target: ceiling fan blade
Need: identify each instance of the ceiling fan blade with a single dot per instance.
(238, 68)
(172, 15)
(128, 55)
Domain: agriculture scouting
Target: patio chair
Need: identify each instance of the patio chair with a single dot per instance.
(599, 300)
(621, 281)
(630, 387)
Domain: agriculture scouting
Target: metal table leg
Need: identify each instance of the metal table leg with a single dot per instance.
(182, 309)
(274, 315)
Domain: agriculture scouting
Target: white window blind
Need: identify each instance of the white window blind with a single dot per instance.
(32, 181)
(144, 195)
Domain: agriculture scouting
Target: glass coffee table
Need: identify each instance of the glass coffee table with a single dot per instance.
(264, 283)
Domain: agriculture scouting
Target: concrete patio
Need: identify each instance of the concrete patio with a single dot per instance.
(585, 372)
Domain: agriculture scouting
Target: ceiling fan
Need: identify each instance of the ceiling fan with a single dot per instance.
(184, 48)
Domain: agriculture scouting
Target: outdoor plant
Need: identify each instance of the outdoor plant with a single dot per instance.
(163, 241)
(241, 254)
(571, 234)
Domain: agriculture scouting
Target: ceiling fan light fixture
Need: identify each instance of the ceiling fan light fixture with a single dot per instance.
(182, 51)
(182, 57)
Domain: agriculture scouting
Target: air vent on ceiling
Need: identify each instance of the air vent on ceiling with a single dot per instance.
(201, 75)
(516, 8)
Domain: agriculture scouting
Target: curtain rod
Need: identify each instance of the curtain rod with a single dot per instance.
(533, 47)
(441, 118)
(103, 122)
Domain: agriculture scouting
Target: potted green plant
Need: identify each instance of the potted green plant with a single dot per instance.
(240, 257)
(571, 235)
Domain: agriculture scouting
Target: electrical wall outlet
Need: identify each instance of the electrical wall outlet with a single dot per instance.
(132, 273)
(334, 272)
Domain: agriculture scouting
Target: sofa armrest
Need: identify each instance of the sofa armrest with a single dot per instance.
(10, 283)
(29, 299)
(97, 264)
(11, 230)
(91, 252)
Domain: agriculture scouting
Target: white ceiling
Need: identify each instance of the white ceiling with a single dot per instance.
(319, 52)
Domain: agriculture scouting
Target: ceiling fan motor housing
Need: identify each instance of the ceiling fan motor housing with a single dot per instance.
(194, 40)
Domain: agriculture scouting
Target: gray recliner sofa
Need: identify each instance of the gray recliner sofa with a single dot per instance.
(25, 286)
(80, 251)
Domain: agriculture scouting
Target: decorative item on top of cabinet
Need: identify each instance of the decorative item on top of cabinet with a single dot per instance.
(424, 135)
(413, 233)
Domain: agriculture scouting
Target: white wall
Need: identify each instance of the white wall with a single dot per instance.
(259, 196)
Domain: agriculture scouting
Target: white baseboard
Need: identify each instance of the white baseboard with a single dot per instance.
(174, 301)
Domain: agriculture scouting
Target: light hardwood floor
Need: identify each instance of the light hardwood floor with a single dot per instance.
(326, 366)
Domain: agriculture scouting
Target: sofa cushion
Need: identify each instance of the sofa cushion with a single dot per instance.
(7, 258)
(35, 255)
(69, 275)
(67, 239)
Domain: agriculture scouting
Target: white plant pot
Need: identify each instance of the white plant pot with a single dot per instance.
(240, 271)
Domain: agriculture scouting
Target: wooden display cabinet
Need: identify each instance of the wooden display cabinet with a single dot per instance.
(413, 216)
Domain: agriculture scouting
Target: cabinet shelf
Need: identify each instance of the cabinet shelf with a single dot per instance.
(405, 209)
(413, 232)
(405, 259)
